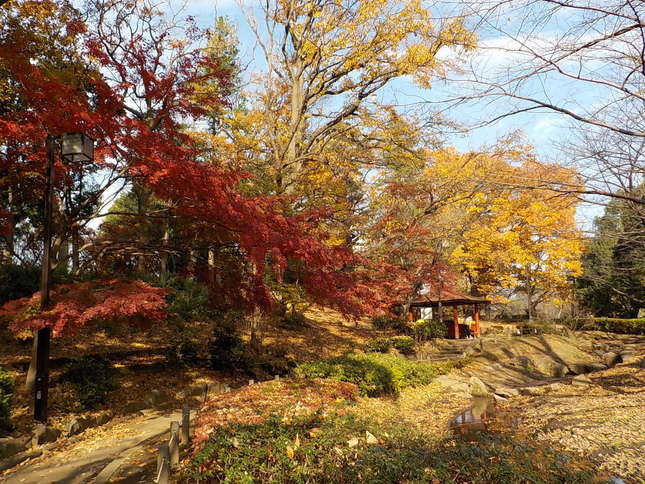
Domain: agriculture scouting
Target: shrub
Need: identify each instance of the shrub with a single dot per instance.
(375, 373)
(425, 329)
(182, 350)
(385, 322)
(403, 344)
(622, 326)
(17, 281)
(314, 449)
(7, 388)
(189, 300)
(610, 325)
(226, 349)
(91, 377)
(294, 320)
(378, 345)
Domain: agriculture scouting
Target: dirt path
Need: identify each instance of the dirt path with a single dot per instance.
(82, 460)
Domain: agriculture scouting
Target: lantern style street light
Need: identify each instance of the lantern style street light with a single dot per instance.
(75, 148)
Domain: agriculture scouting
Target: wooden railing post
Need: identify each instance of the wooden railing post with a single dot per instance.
(173, 444)
(185, 426)
(163, 465)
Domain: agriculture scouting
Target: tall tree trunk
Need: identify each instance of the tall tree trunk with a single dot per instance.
(529, 297)
(408, 302)
(75, 250)
(7, 251)
(143, 198)
(164, 253)
(211, 268)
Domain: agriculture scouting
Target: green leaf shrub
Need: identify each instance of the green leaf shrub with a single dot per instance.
(315, 448)
(91, 377)
(383, 323)
(425, 329)
(622, 326)
(7, 389)
(18, 281)
(182, 350)
(610, 325)
(189, 300)
(375, 373)
(403, 344)
(227, 350)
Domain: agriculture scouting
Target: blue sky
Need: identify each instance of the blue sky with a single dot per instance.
(544, 130)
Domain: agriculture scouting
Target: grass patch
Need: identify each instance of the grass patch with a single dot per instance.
(377, 374)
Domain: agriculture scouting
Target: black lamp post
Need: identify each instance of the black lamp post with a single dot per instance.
(75, 148)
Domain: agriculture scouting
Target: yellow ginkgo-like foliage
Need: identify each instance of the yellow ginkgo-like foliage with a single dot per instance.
(502, 218)
(311, 121)
(522, 235)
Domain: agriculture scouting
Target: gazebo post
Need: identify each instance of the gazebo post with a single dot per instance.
(455, 322)
(477, 331)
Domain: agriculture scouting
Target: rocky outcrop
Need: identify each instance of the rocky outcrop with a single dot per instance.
(44, 434)
(611, 359)
(78, 424)
(16, 459)
(11, 446)
(477, 387)
(581, 380)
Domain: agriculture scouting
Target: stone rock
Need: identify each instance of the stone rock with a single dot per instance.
(610, 358)
(507, 392)
(16, 459)
(499, 398)
(44, 434)
(10, 446)
(154, 398)
(477, 387)
(557, 386)
(628, 356)
(535, 390)
(76, 426)
(157, 398)
(581, 380)
(102, 418)
(134, 407)
(560, 370)
(453, 384)
(369, 438)
(579, 368)
(470, 350)
(591, 367)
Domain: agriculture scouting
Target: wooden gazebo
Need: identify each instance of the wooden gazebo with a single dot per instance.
(452, 299)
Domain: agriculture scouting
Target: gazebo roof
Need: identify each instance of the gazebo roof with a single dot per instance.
(447, 298)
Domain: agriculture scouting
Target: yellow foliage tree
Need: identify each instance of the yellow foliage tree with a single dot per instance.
(313, 122)
(523, 237)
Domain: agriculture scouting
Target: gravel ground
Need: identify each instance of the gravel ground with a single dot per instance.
(604, 421)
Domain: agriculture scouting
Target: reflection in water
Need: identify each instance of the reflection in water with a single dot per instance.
(476, 417)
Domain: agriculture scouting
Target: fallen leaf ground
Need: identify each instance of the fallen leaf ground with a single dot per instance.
(604, 422)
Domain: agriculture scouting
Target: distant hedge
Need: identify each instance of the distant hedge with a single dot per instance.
(611, 325)
(623, 326)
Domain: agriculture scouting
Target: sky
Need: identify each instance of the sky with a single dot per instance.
(544, 130)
